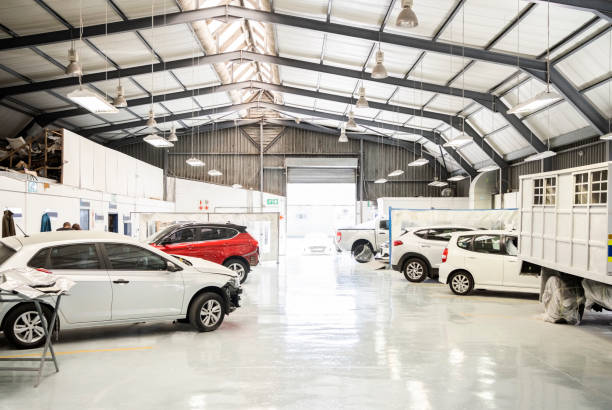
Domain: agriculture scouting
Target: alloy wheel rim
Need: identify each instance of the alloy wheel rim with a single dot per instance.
(236, 267)
(28, 328)
(461, 283)
(210, 313)
(414, 270)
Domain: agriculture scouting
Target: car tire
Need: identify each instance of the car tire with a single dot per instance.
(238, 266)
(25, 314)
(207, 312)
(461, 283)
(359, 248)
(415, 270)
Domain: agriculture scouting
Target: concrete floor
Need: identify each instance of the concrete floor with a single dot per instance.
(322, 332)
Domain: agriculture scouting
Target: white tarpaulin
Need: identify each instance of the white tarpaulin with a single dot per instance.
(263, 227)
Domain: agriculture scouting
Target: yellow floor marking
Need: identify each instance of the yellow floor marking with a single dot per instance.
(119, 349)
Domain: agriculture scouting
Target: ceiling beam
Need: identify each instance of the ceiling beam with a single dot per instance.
(601, 8)
(270, 17)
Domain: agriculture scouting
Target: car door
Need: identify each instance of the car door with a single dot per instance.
(211, 243)
(143, 286)
(486, 261)
(90, 299)
(512, 266)
(180, 242)
(434, 243)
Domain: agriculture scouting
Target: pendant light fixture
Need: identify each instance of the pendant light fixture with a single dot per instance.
(343, 137)
(120, 101)
(380, 181)
(351, 120)
(215, 173)
(419, 162)
(379, 71)
(172, 137)
(74, 68)
(91, 101)
(396, 173)
(540, 156)
(157, 141)
(437, 183)
(547, 96)
(407, 17)
(488, 168)
(457, 178)
(195, 162)
(362, 102)
(151, 123)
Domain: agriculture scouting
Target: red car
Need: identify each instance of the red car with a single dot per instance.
(226, 244)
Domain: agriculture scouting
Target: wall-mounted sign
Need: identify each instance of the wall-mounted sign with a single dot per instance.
(272, 201)
(32, 186)
(99, 217)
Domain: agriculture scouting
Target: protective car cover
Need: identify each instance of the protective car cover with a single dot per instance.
(597, 293)
(33, 283)
(562, 301)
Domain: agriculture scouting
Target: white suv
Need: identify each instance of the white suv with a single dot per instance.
(417, 253)
(118, 280)
(485, 260)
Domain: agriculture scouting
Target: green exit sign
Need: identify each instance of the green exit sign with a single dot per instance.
(272, 202)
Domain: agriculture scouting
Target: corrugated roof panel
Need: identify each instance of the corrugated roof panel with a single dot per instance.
(335, 84)
(158, 83)
(524, 92)
(448, 104)
(474, 153)
(172, 42)
(431, 14)
(28, 63)
(298, 100)
(437, 68)
(376, 91)
(143, 111)
(410, 97)
(125, 49)
(533, 32)
(408, 137)
(348, 52)
(12, 122)
(600, 24)
(90, 60)
(368, 113)
(130, 90)
(142, 8)
(508, 140)
(213, 99)
(121, 116)
(7, 79)
(482, 76)
(558, 120)
(422, 122)
(43, 101)
(331, 106)
(362, 13)
(197, 76)
(485, 121)
(482, 21)
(84, 121)
(398, 60)
(184, 104)
(589, 63)
(600, 97)
(311, 9)
(325, 123)
(93, 11)
(298, 77)
(299, 43)
(393, 117)
(27, 18)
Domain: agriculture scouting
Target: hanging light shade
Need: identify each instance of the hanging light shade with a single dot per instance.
(381, 181)
(236, 186)
(606, 137)
(74, 68)
(215, 173)
(91, 101)
(535, 103)
(437, 183)
(151, 121)
(343, 137)
(120, 101)
(379, 71)
(457, 178)
(419, 162)
(406, 17)
(488, 168)
(540, 156)
(172, 137)
(396, 173)
(195, 162)
(459, 141)
(157, 141)
(362, 102)
(351, 120)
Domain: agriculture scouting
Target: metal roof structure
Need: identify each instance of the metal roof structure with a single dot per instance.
(196, 62)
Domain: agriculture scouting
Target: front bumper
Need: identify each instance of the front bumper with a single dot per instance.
(232, 294)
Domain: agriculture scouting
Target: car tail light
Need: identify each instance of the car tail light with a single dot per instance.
(43, 270)
(338, 236)
(397, 243)
(445, 255)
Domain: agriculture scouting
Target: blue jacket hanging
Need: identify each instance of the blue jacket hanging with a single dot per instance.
(45, 223)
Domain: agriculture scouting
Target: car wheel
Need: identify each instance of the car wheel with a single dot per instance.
(415, 270)
(238, 266)
(23, 327)
(363, 252)
(461, 283)
(206, 312)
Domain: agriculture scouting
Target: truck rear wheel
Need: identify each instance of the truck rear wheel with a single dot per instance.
(362, 252)
(562, 300)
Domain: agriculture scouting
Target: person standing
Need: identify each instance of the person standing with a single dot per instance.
(8, 224)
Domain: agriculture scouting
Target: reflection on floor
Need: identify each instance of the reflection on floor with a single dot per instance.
(324, 332)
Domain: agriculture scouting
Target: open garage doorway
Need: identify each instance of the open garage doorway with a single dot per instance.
(321, 196)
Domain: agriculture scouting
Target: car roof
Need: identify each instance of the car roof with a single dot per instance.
(414, 228)
(55, 237)
(213, 225)
(488, 231)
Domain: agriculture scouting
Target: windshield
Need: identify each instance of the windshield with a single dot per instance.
(157, 236)
(5, 253)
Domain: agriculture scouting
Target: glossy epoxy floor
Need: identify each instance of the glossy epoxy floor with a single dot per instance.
(321, 332)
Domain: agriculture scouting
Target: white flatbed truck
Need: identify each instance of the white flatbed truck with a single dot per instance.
(566, 238)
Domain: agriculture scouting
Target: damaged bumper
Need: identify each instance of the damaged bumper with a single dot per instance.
(232, 293)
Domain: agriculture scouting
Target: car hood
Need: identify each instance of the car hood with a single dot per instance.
(204, 266)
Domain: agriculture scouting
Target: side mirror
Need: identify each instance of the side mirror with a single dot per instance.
(171, 267)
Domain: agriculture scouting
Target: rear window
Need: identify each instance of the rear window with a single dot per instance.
(464, 242)
(5, 253)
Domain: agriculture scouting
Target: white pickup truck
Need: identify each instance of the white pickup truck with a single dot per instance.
(363, 240)
(566, 239)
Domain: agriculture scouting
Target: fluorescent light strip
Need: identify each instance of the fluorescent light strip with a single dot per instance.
(157, 141)
(92, 101)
